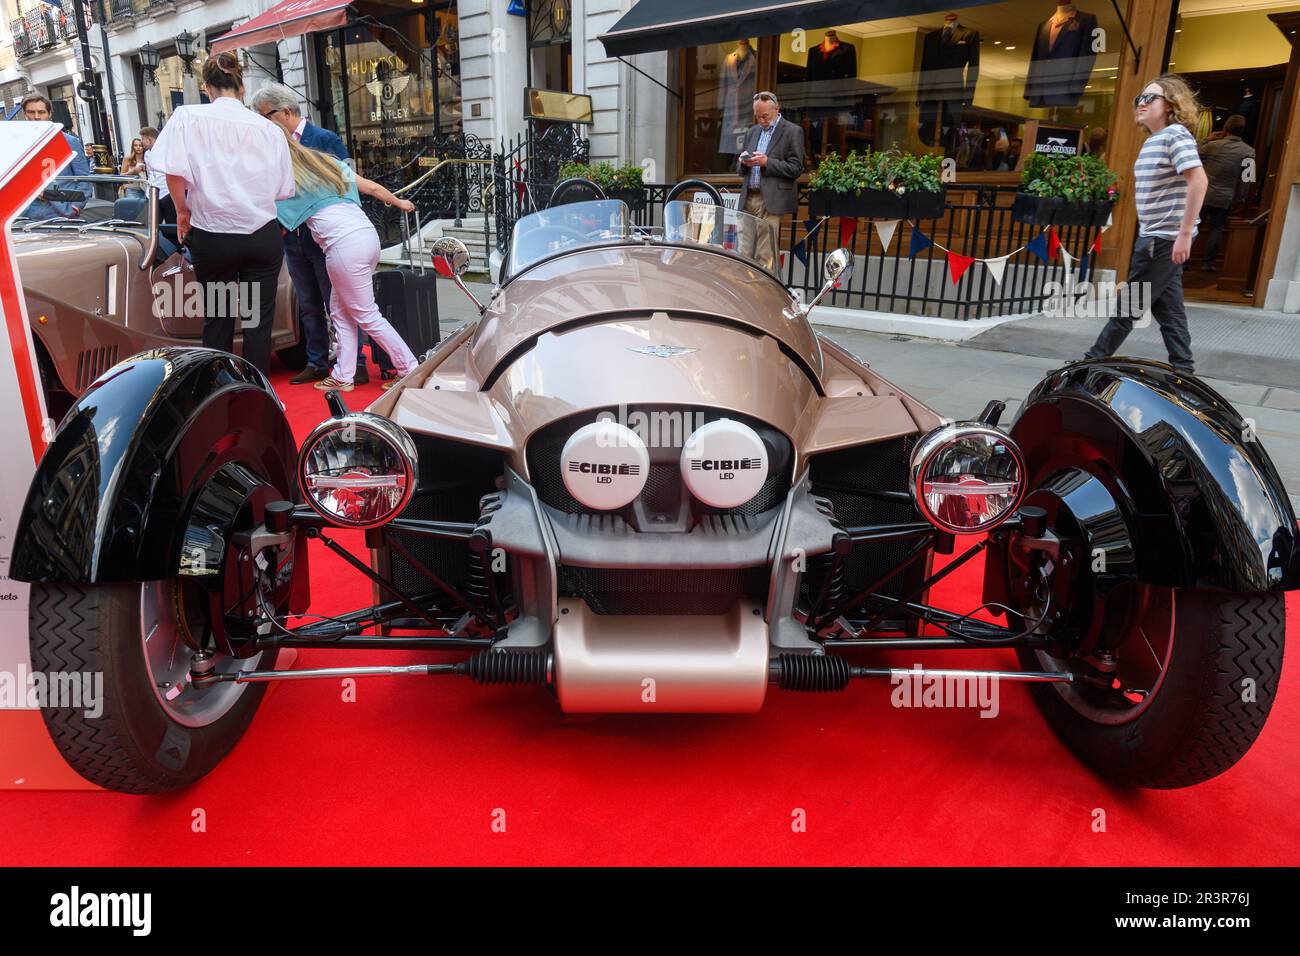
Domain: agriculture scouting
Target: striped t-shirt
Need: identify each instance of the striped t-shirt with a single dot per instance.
(1159, 188)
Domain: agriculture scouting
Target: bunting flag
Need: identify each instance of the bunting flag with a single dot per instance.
(441, 266)
(848, 229)
(810, 226)
(1039, 246)
(1053, 242)
(885, 231)
(1067, 260)
(800, 251)
(783, 262)
(920, 242)
(958, 264)
(997, 268)
(1096, 243)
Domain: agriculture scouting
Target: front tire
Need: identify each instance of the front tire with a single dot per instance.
(1207, 704)
(150, 734)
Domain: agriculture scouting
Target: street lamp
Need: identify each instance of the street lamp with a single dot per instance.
(185, 49)
(149, 61)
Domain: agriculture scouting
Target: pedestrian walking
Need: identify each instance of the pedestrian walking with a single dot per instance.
(769, 165)
(1169, 186)
(328, 202)
(226, 167)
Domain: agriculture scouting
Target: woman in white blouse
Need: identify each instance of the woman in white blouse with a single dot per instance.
(226, 166)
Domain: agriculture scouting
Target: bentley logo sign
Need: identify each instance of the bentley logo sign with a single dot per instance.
(662, 351)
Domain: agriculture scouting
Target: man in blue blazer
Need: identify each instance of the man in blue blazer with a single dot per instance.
(38, 108)
(305, 260)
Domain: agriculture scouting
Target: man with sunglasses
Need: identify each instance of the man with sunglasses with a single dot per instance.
(771, 162)
(1169, 187)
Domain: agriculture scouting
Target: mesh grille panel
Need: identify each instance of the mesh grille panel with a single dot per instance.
(621, 591)
(453, 477)
(882, 466)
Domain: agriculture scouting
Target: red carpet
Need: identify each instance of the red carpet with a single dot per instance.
(414, 771)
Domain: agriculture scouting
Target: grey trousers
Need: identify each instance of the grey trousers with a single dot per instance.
(1155, 282)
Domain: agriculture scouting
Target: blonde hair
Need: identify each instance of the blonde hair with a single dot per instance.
(314, 171)
(1183, 107)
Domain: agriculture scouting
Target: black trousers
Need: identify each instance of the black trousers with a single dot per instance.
(249, 267)
(1215, 221)
(1155, 282)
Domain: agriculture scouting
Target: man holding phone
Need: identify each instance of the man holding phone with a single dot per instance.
(771, 163)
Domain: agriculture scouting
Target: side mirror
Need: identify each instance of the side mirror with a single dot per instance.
(453, 254)
(451, 259)
(838, 268)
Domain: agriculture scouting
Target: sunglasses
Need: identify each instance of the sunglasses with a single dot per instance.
(1142, 99)
(765, 97)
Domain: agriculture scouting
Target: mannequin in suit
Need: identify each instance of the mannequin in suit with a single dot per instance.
(1062, 59)
(831, 59)
(739, 76)
(950, 68)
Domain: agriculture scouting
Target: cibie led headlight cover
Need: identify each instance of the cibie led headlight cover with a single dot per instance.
(358, 470)
(967, 477)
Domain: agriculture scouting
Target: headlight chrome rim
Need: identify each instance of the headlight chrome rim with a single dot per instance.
(386, 431)
(939, 440)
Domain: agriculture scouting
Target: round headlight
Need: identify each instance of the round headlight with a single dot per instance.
(967, 477)
(358, 471)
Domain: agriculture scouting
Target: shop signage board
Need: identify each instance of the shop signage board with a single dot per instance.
(1056, 141)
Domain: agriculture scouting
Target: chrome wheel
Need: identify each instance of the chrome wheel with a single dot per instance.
(167, 631)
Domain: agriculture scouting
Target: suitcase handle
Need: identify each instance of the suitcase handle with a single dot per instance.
(406, 241)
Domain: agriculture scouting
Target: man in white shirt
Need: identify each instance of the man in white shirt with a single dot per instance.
(226, 166)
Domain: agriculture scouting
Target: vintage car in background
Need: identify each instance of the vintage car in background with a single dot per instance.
(90, 287)
(643, 482)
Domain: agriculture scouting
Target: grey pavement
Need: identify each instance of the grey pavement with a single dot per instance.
(1249, 356)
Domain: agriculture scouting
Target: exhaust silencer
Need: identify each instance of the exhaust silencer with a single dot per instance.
(648, 664)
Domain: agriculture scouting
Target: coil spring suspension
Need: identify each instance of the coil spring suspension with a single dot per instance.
(826, 585)
(476, 585)
(507, 667)
(814, 674)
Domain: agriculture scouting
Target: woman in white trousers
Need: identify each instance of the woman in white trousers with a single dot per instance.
(328, 200)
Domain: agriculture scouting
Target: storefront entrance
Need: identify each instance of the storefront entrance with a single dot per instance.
(1237, 63)
(390, 83)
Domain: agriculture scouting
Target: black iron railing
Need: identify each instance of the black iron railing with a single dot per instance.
(448, 179)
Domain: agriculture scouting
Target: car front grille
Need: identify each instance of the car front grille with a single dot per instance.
(846, 478)
(645, 591)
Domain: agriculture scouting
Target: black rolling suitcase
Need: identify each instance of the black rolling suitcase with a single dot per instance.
(408, 298)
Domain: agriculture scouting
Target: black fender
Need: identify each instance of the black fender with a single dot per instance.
(1163, 478)
(157, 462)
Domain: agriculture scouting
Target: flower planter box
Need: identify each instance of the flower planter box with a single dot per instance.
(922, 204)
(635, 198)
(1051, 211)
(868, 203)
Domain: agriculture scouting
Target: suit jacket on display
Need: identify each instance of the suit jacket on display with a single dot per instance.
(1058, 74)
(839, 64)
(949, 68)
(784, 166)
(736, 89)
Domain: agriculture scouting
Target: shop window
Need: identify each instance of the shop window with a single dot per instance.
(718, 104)
(985, 85)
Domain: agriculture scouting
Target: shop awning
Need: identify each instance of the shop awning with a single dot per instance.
(292, 18)
(654, 25)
